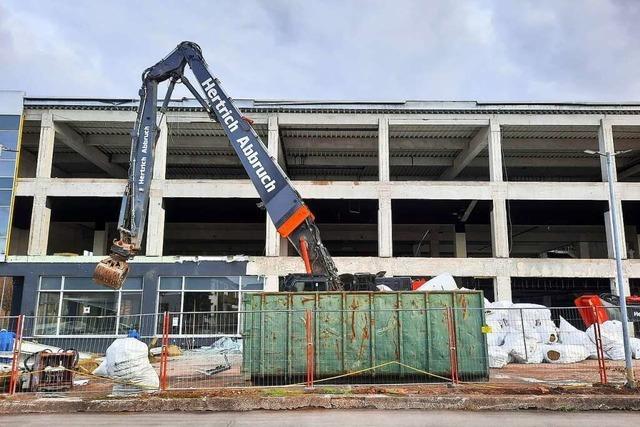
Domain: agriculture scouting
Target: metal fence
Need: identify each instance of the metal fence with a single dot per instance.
(198, 351)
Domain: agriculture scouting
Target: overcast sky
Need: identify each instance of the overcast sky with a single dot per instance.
(537, 50)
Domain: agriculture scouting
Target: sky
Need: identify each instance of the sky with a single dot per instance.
(395, 50)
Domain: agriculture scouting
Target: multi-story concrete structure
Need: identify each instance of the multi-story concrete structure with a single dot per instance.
(502, 196)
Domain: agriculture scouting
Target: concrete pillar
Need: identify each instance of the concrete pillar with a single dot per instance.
(499, 229)
(271, 284)
(502, 288)
(614, 286)
(155, 224)
(40, 221)
(495, 152)
(41, 212)
(99, 242)
(160, 159)
(273, 241)
(434, 242)
(606, 144)
(385, 236)
(460, 245)
(383, 150)
(45, 146)
(608, 232)
(156, 215)
(583, 250)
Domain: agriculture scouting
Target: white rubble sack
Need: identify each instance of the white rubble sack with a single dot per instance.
(498, 357)
(570, 335)
(523, 348)
(127, 362)
(612, 342)
(384, 288)
(564, 353)
(546, 331)
(442, 282)
(497, 335)
(635, 347)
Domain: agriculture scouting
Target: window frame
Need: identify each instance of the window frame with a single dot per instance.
(61, 292)
(240, 291)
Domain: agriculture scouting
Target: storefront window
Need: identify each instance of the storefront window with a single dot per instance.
(204, 305)
(80, 307)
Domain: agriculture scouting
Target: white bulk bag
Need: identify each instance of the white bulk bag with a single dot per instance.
(127, 362)
(564, 353)
(498, 357)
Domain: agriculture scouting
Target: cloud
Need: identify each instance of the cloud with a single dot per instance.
(529, 50)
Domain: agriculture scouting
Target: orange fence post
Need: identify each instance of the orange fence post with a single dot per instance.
(602, 369)
(453, 349)
(164, 360)
(17, 345)
(310, 349)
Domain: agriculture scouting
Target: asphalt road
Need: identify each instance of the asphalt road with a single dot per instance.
(330, 418)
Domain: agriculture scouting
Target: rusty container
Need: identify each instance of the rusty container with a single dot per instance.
(376, 337)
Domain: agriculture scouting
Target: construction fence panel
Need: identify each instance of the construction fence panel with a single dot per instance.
(59, 354)
(554, 346)
(305, 345)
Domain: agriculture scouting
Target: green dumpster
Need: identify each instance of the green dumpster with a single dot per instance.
(364, 336)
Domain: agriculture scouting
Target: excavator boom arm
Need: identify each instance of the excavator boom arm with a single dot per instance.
(287, 210)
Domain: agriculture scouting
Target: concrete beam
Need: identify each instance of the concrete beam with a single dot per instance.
(475, 147)
(92, 154)
(420, 190)
(471, 267)
(439, 122)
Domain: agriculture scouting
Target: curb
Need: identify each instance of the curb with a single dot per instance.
(469, 403)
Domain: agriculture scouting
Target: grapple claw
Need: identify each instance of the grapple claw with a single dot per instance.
(111, 272)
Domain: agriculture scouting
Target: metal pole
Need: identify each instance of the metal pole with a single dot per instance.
(613, 210)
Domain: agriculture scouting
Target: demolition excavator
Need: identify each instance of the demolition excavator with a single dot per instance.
(287, 210)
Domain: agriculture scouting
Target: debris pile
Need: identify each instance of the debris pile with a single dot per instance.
(526, 333)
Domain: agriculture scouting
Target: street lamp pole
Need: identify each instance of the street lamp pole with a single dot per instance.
(615, 230)
(617, 248)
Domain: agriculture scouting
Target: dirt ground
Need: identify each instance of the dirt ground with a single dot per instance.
(186, 377)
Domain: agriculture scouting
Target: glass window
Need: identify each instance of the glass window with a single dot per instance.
(252, 283)
(170, 301)
(80, 284)
(218, 313)
(7, 166)
(50, 283)
(6, 183)
(9, 121)
(9, 139)
(130, 307)
(88, 313)
(212, 283)
(48, 304)
(5, 198)
(170, 283)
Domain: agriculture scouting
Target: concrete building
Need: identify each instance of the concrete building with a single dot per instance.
(502, 196)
